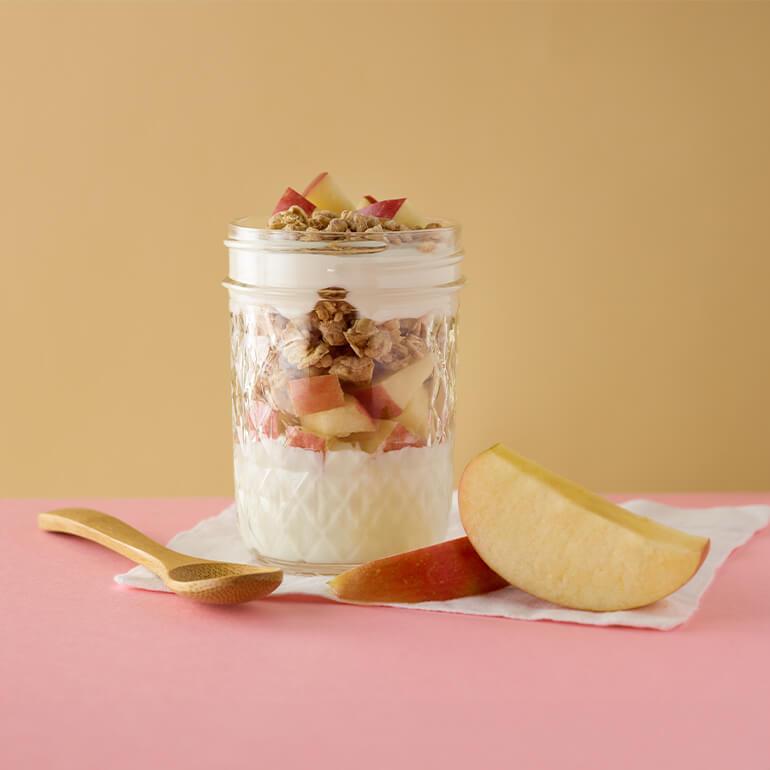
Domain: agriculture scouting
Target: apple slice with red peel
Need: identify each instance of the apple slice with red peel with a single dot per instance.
(324, 192)
(264, 421)
(349, 418)
(416, 416)
(565, 544)
(383, 209)
(401, 438)
(388, 397)
(291, 198)
(303, 439)
(437, 573)
(315, 394)
(366, 201)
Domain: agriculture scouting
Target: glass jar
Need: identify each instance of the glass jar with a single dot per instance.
(343, 387)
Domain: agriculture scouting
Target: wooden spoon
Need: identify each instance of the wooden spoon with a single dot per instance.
(213, 582)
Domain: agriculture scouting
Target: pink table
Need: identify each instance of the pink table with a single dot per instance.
(93, 675)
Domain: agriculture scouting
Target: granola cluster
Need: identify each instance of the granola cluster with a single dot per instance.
(296, 219)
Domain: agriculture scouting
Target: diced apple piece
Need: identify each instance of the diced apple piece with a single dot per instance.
(389, 397)
(297, 437)
(315, 394)
(325, 194)
(416, 417)
(291, 198)
(437, 573)
(564, 544)
(410, 217)
(383, 209)
(264, 421)
(349, 418)
(401, 438)
(370, 442)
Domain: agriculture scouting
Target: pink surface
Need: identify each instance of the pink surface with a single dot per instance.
(97, 676)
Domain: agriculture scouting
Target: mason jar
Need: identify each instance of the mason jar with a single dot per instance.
(343, 352)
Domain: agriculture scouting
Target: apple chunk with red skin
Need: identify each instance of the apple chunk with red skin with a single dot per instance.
(315, 394)
(437, 573)
(264, 421)
(324, 192)
(388, 397)
(291, 198)
(387, 436)
(383, 209)
(401, 438)
(349, 418)
(303, 439)
(565, 544)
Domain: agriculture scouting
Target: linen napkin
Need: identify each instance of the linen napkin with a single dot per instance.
(217, 537)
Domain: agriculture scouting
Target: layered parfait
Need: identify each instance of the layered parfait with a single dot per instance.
(343, 354)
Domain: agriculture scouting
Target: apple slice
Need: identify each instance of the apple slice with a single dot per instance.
(389, 397)
(297, 437)
(437, 573)
(264, 421)
(383, 209)
(416, 416)
(564, 544)
(365, 201)
(315, 394)
(401, 438)
(291, 198)
(349, 418)
(324, 193)
(372, 440)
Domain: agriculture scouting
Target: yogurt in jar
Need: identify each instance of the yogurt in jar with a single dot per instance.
(342, 507)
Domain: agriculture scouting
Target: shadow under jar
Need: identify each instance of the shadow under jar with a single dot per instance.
(343, 387)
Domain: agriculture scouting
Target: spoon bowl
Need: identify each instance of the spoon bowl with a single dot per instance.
(216, 582)
(210, 582)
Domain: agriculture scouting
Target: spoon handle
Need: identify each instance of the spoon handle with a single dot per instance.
(112, 533)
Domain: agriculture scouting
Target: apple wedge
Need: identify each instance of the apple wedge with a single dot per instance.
(383, 209)
(315, 394)
(325, 194)
(388, 397)
(349, 418)
(437, 573)
(291, 198)
(564, 544)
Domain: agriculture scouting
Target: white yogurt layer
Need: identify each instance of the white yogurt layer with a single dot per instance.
(342, 507)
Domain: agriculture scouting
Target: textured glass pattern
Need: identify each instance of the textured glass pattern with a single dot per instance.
(330, 503)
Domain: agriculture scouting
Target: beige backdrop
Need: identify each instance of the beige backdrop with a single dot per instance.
(610, 165)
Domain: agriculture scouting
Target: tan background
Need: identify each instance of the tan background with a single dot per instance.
(610, 164)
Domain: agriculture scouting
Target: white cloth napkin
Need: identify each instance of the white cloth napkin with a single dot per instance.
(218, 538)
